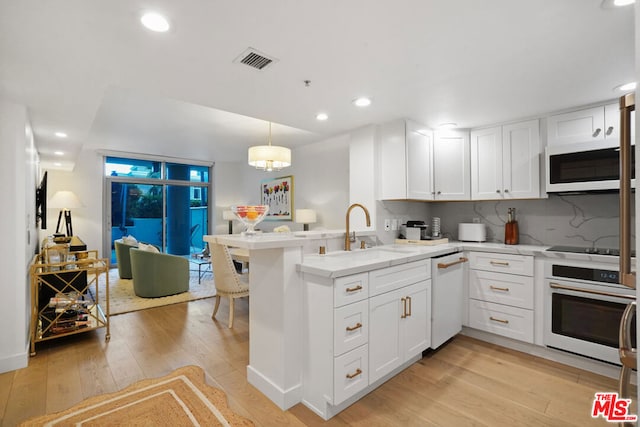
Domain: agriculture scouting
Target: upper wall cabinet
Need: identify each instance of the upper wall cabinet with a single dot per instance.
(505, 161)
(451, 166)
(590, 124)
(414, 164)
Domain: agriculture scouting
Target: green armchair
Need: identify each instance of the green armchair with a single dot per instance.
(123, 259)
(158, 274)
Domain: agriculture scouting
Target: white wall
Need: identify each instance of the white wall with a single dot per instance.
(18, 177)
(320, 182)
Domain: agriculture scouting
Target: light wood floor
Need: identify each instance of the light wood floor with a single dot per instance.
(467, 382)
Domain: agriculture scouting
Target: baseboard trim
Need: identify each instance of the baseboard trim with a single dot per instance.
(284, 399)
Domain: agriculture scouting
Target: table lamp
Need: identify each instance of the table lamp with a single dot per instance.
(65, 201)
(229, 216)
(305, 217)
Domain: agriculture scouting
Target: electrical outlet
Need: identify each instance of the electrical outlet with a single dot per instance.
(394, 224)
(387, 225)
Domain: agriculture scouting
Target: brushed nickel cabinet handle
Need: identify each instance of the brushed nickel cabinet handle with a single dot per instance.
(495, 319)
(404, 307)
(357, 288)
(459, 261)
(504, 263)
(597, 132)
(353, 328)
(496, 288)
(355, 374)
(609, 130)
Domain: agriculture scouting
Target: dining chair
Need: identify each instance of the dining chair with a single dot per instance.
(228, 282)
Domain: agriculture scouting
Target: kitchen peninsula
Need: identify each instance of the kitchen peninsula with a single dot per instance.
(314, 329)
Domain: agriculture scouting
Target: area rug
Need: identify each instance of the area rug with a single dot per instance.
(182, 398)
(124, 300)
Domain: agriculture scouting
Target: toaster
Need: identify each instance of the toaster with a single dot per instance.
(473, 232)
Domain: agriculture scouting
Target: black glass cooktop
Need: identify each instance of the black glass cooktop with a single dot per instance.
(582, 250)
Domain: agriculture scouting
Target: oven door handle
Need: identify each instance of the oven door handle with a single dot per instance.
(591, 291)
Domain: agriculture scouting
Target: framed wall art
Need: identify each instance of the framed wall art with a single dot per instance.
(277, 193)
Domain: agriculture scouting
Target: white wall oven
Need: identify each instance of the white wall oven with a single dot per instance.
(583, 307)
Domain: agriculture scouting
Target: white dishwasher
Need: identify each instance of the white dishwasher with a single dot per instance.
(447, 274)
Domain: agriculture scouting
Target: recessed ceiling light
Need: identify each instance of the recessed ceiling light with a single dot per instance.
(57, 164)
(58, 153)
(322, 116)
(61, 134)
(626, 87)
(155, 22)
(362, 101)
(610, 4)
(449, 125)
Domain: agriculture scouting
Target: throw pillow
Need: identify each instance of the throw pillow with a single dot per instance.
(130, 240)
(148, 248)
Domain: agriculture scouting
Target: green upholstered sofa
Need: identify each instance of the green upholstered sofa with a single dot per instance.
(158, 274)
(122, 259)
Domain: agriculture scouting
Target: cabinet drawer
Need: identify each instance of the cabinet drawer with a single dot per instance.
(501, 288)
(350, 374)
(511, 322)
(351, 327)
(350, 289)
(390, 278)
(501, 263)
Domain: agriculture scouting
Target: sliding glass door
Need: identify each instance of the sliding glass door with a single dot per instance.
(163, 204)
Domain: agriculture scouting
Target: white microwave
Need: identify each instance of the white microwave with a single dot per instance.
(582, 167)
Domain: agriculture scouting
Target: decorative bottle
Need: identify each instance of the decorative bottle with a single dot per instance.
(511, 228)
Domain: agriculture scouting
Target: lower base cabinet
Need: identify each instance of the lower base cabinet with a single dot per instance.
(400, 327)
(360, 329)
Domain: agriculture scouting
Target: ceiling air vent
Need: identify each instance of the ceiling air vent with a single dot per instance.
(255, 59)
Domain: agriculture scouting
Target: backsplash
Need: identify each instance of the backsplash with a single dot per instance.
(578, 220)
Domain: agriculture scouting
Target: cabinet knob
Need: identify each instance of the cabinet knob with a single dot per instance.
(439, 192)
(597, 132)
(498, 191)
(506, 190)
(609, 130)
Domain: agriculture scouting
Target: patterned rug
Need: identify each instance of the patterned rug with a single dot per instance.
(182, 398)
(122, 298)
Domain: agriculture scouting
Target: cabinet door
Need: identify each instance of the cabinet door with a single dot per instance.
(576, 126)
(521, 160)
(385, 313)
(612, 123)
(486, 164)
(392, 169)
(419, 161)
(416, 326)
(451, 165)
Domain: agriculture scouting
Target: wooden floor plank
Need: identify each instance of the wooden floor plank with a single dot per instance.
(465, 383)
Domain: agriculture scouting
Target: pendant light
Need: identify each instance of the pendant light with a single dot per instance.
(269, 157)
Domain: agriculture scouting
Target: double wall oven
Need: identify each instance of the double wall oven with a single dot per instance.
(585, 304)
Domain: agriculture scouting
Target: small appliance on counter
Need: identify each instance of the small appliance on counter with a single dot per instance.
(472, 232)
(414, 230)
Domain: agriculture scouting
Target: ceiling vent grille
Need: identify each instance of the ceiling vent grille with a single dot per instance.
(255, 59)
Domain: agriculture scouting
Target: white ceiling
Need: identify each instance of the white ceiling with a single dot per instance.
(88, 68)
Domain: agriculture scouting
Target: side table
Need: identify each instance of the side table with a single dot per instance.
(201, 260)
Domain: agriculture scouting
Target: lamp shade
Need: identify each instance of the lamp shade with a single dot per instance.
(65, 200)
(305, 216)
(269, 157)
(228, 215)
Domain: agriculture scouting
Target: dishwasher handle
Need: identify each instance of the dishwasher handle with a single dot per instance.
(451, 264)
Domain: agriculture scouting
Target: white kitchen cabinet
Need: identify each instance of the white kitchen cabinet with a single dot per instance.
(501, 294)
(400, 327)
(360, 328)
(505, 161)
(589, 124)
(415, 164)
(447, 297)
(451, 165)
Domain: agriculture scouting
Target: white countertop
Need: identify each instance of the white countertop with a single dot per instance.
(278, 240)
(341, 263)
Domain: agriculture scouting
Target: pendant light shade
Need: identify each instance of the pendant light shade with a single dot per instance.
(269, 157)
